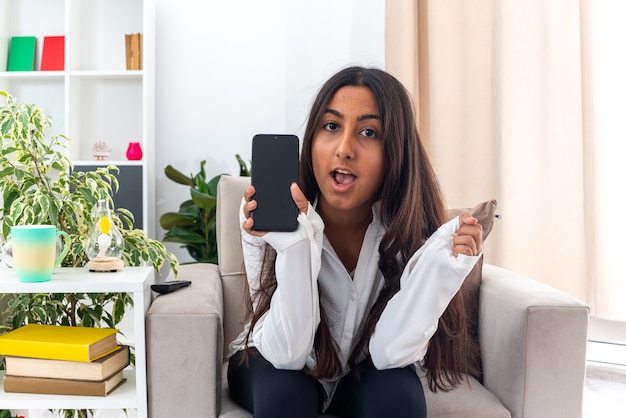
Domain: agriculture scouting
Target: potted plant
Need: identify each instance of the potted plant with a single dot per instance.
(39, 186)
(194, 223)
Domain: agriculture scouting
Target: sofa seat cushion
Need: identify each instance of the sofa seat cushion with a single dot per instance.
(469, 400)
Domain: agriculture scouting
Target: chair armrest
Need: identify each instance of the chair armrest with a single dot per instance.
(533, 341)
(184, 346)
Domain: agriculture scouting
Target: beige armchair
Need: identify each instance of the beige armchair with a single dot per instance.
(532, 340)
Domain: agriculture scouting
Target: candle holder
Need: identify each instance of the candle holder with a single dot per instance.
(105, 245)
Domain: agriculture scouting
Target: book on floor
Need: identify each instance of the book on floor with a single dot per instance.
(59, 342)
(22, 53)
(97, 370)
(23, 384)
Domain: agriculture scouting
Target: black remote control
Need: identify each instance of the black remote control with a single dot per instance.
(168, 287)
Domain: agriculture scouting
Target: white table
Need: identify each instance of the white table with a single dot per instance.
(133, 280)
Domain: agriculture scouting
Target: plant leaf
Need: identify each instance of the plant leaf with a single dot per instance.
(212, 184)
(203, 200)
(178, 177)
(172, 219)
(184, 236)
(244, 171)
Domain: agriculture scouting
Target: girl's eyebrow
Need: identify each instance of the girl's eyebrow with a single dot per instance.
(365, 117)
(359, 119)
(334, 112)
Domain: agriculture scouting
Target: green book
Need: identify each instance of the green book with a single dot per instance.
(22, 53)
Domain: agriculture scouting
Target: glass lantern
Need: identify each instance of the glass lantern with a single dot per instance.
(105, 245)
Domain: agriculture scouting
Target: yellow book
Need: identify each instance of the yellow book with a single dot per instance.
(57, 342)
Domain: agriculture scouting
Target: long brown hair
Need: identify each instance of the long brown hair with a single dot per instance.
(412, 208)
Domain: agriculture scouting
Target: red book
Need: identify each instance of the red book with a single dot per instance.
(53, 57)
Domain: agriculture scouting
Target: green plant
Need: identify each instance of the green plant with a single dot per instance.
(194, 223)
(68, 413)
(39, 186)
(5, 413)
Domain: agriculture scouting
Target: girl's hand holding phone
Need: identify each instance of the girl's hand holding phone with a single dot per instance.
(251, 204)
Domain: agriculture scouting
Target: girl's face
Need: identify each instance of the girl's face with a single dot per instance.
(347, 151)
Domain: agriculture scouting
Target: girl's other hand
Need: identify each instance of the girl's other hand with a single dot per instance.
(248, 207)
(469, 238)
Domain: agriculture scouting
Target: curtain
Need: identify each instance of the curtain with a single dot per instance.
(506, 97)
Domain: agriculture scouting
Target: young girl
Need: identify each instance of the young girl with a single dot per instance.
(346, 306)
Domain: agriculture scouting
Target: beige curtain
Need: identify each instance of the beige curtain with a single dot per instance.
(504, 92)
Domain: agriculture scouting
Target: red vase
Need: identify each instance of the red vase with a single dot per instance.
(134, 151)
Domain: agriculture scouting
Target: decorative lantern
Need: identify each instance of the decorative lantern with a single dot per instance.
(105, 245)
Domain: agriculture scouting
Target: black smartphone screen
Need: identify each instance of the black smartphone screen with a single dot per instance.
(274, 168)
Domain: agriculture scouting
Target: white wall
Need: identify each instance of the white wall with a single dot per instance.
(227, 70)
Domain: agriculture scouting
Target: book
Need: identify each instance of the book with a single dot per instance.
(134, 56)
(97, 370)
(129, 51)
(59, 342)
(22, 53)
(53, 55)
(140, 59)
(24, 384)
(135, 50)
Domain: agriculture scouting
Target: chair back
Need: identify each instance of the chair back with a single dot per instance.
(229, 194)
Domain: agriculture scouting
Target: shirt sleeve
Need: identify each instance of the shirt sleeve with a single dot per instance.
(428, 283)
(285, 334)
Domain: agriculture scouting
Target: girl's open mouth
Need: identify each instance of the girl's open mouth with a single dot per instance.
(343, 177)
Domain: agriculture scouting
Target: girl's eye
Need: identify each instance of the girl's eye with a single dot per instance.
(331, 126)
(370, 133)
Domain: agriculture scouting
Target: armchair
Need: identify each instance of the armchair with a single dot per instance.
(532, 339)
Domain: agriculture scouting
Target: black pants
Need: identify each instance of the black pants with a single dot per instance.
(268, 392)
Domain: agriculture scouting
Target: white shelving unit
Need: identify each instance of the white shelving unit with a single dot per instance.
(95, 98)
(133, 280)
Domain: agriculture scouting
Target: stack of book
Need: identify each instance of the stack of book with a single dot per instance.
(63, 360)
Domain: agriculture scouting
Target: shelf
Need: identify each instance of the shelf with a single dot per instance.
(29, 75)
(78, 280)
(123, 74)
(122, 397)
(133, 280)
(95, 98)
(104, 163)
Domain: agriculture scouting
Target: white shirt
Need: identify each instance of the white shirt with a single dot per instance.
(305, 260)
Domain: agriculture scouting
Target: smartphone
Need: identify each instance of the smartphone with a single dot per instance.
(274, 168)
